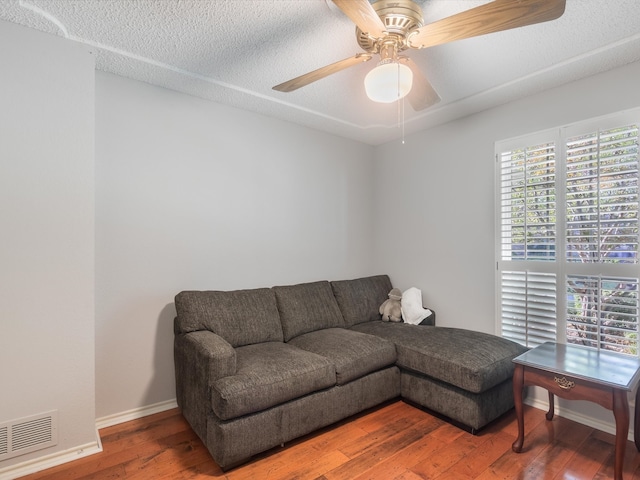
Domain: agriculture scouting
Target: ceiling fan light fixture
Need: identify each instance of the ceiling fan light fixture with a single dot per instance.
(388, 82)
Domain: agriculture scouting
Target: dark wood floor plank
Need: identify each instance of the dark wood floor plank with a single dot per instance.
(368, 458)
(392, 426)
(492, 447)
(445, 455)
(593, 456)
(379, 418)
(399, 463)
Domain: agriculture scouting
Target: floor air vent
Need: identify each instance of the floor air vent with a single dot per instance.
(29, 434)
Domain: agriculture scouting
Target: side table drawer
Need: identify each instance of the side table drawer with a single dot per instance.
(570, 388)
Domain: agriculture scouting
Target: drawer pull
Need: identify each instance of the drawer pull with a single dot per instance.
(564, 384)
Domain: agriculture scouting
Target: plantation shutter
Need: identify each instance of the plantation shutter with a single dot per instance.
(602, 312)
(528, 210)
(602, 239)
(567, 235)
(528, 307)
(527, 236)
(602, 196)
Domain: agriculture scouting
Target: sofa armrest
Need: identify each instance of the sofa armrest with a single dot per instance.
(200, 359)
(430, 320)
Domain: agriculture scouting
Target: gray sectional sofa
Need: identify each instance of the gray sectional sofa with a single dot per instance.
(258, 368)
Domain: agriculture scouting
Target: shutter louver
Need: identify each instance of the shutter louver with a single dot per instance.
(602, 197)
(528, 307)
(602, 312)
(528, 204)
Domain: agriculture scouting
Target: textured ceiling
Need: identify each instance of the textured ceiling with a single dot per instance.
(234, 51)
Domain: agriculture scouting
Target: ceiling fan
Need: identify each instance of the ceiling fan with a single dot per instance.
(389, 27)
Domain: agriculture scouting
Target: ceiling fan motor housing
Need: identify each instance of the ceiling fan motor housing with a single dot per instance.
(400, 17)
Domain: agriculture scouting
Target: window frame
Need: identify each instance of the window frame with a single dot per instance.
(560, 266)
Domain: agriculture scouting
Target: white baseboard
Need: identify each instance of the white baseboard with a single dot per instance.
(135, 413)
(58, 458)
(603, 426)
(52, 460)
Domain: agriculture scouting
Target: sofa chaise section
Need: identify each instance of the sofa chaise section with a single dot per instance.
(460, 374)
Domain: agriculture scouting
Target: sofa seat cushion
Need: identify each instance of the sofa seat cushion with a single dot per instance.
(472, 361)
(360, 299)
(354, 354)
(307, 307)
(268, 374)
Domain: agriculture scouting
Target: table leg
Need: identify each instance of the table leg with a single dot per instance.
(518, 386)
(550, 413)
(621, 414)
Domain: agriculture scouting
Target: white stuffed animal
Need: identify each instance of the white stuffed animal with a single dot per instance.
(391, 309)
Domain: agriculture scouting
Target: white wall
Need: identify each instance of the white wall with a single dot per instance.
(439, 218)
(194, 195)
(47, 224)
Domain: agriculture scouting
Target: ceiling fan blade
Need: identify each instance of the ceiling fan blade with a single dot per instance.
(320, 73)
(363, 15)
(422, 94)
(489, 18)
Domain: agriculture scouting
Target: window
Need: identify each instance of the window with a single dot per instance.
(567, 235)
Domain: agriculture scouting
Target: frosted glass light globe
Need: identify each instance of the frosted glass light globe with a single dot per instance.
(388, 82)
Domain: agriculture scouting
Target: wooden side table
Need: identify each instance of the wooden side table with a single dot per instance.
(577, 373)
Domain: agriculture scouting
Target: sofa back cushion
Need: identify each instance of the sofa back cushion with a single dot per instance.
(360, 299)
(307, 307)
(241, 317)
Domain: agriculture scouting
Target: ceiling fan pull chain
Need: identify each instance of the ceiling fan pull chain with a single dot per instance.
(402, 120)
(398, 92)
(400, 103)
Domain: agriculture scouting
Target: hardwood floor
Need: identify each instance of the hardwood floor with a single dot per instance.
(395, 442)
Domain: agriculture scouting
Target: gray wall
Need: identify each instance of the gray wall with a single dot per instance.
(47, 223)
(194, 195)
